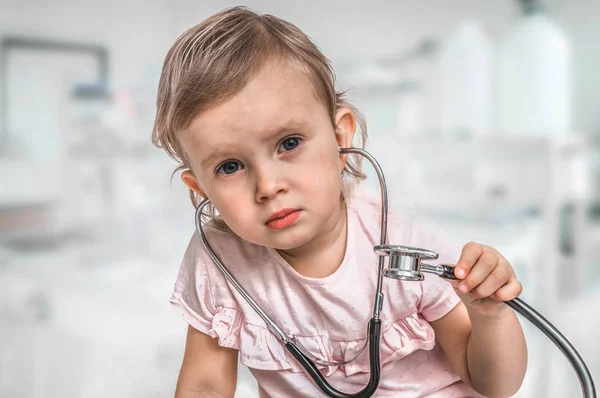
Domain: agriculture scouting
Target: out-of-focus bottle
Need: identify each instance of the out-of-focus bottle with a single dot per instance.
(533, 80)
(466, 95)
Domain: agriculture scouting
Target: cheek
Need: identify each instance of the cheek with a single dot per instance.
(322, 178)
(229, 200)
(235, 212)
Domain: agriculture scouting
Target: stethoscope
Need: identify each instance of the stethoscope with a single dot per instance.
(405, 263)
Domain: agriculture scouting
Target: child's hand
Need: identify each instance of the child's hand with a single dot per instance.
(486, 278)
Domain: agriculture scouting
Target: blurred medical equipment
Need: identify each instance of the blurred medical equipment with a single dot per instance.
(466, 81)
(404, 264)
(36, 99)
(535, 75)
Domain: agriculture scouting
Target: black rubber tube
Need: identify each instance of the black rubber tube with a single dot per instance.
(321, 382)
(583, 373)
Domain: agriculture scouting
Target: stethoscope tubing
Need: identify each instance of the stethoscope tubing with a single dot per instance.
(583, 373)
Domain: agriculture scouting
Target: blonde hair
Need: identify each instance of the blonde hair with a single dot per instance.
(214, 60)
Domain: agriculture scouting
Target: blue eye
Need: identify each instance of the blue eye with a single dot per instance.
(229, 167)
(289, 144)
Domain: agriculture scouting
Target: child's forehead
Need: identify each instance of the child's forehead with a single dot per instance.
(275, 98)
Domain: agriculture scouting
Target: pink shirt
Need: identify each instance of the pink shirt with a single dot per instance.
(329, 316)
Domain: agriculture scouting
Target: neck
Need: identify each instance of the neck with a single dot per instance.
(323, 255)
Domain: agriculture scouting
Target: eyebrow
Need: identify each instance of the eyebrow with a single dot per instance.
(287, 128)
(214, 155)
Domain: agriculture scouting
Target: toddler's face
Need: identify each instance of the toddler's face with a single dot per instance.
(267, 158)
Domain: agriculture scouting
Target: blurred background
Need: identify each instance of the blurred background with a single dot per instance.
(484, 115)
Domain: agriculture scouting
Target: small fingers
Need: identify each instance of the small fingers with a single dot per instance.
(494, 281)
(470, 254)
(509, 291)
(479, 272)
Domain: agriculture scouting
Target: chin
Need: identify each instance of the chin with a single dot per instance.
(292, 241)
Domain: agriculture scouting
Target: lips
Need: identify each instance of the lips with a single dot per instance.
(283, 218)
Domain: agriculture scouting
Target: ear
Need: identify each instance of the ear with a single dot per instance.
(191, 181)
(345, 122)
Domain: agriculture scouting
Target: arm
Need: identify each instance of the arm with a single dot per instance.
(482, 337)
(208, 370)
(488, 351)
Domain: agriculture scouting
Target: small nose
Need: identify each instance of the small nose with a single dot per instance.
(269, 183)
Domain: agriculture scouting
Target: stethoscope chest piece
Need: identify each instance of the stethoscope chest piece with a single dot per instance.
(405, 263)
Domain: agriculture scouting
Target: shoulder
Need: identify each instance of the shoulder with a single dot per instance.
(202, 293)
(226, 246)
(405, 226)
(200, 276)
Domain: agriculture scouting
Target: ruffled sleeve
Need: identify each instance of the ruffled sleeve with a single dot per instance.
(192, 296)
(203, 298)
(438, 299)
(438, 296)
